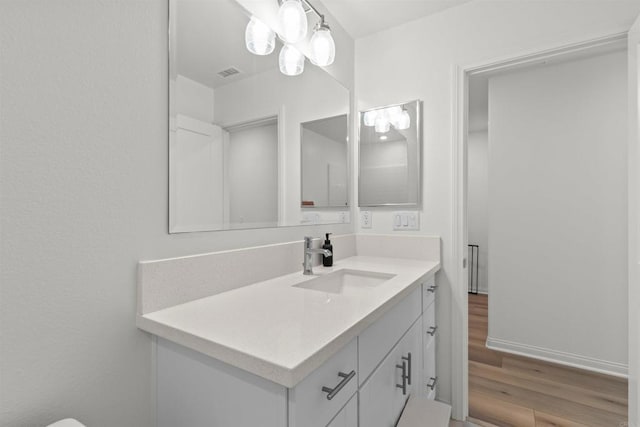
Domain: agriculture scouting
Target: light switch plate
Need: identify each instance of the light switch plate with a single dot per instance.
(406, 220)
(365, 219)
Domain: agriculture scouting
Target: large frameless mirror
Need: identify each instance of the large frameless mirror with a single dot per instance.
(242, 133)
(390, 146)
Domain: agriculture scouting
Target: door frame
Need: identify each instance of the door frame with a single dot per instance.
(633, 51)
(459, 296)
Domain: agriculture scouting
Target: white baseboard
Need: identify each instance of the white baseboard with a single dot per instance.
(560, 357)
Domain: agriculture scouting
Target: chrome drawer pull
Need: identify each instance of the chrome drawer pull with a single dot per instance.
(331, 392)
(408, 359)
(432, 383)
(432, 330)
(404, 377)
(432, 288)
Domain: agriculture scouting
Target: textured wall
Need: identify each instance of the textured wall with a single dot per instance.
(83, 186)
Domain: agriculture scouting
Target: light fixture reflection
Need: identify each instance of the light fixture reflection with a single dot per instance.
(293, 21)
(369, 118)
(382, 124)
(291, 61)
(404, 121)
(259, 38)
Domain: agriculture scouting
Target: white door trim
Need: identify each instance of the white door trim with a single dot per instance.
(634, 232)
(460, 92)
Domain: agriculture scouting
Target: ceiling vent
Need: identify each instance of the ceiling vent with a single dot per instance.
(228, 72)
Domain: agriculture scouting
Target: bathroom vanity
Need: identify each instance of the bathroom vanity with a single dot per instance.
(344, 347)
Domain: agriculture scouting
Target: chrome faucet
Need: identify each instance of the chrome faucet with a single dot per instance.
(308, 251)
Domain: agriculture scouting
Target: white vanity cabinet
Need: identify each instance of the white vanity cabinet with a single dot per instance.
(366, 383)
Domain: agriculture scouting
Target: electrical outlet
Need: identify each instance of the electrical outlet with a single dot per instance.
(365, 219)
(343, 217)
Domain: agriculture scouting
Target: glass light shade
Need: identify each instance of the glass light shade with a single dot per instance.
(291, 61)
(404, 121)
(293, 21)
(369, 118)
(382, 124)
(323, 48)
(259, 38)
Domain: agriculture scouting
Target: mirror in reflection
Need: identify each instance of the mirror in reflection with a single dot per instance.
(390, 156)
(236, 149)
(324, 162)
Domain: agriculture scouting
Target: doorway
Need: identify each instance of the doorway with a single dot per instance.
(538, 180)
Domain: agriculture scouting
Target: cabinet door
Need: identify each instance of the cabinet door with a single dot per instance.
(195, 390)
(348, 416)
(381, 398)
(411, 351)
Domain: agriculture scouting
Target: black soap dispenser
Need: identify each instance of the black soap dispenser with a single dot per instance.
(327, 261)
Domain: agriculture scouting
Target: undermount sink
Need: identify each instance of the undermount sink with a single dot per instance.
(342, 280)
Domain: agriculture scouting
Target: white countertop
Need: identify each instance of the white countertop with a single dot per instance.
(281, 332)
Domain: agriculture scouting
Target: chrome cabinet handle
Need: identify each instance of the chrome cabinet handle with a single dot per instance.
(404, 377)
(408, 359)
(331, 392)
(432, 383)
(432, 330)
(432, 288)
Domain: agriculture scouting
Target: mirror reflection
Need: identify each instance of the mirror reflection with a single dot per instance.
(324, 163)
(237, 126)
(390, 156)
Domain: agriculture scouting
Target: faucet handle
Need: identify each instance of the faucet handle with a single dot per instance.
(307, 241)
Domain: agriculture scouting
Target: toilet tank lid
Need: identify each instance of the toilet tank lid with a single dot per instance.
(67, 422)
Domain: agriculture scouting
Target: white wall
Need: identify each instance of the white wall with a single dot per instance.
(477, 202)
(558, 211)
(83, 190)
(419, 60)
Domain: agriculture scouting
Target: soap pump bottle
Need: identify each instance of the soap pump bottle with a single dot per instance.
(327, 261)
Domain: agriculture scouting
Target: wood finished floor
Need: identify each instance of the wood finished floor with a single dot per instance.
(507, 390)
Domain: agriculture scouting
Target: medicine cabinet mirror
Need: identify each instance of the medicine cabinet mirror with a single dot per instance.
(390, 166)
(239, 130)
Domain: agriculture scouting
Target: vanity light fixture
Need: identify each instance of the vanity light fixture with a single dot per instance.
(293, 24)
(259, 38)
(293, 21)
(323, 48)
(291, 61)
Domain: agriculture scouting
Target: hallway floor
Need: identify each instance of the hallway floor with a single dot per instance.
(508, 390)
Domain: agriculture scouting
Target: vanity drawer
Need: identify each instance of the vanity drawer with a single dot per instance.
(429, 289)
(378, 339)
(310, 405)
(429, 327)
(348, 417)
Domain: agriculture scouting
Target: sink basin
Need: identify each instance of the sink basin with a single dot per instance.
(342, 280)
